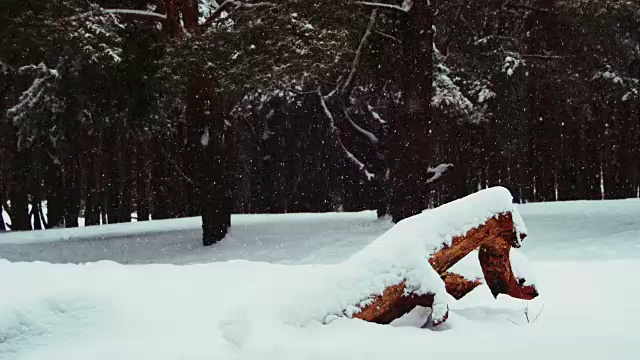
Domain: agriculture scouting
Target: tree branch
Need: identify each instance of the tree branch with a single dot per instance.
(395, 39)
(541, 56)
(384, 6)
(135, 12)
(376, 116)
(524, 7)
(141, 13)
(369, 135)
(336, 132)
(346, 87)
(180, 172)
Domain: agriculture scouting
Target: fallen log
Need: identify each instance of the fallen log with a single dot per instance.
(432, 242)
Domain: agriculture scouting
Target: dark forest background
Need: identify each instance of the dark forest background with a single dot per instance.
(211, 108)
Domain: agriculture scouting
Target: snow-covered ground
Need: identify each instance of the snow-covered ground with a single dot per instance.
(586, 256)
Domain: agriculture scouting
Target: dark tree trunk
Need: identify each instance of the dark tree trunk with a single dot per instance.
(19, 197)
(111, 191)
(144, 180)
(20, 216)
(410, 150)
(93, 203)
(160, 184)
(208, 144)
(72, 194)
(55, 198)
(35, 213)
(123, 189)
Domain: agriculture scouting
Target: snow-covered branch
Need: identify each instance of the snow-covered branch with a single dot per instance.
(336, 132)
(376, 115)
(384, 6)
(368, 134)
(524, 7)
(141, 13)
(323, 103)
(31, 97)
(134, 12)
(346, 88)
(357, 162)
(437, 172)
(391, 37)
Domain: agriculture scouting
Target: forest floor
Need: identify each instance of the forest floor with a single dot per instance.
(586, 256)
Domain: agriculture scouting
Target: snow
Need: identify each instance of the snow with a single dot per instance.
(510, 65)
(376, 115)
(204, 139)
(585, 255)
(437, 172)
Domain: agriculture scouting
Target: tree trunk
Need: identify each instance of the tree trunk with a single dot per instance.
(55, 198)
(20, 216)
(93, 203)
(144, 180)
(123, 193)
(410, 152)
(208, 144)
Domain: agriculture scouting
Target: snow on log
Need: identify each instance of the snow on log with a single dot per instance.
(406, 266)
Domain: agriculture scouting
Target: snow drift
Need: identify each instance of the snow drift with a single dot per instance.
(104, 307)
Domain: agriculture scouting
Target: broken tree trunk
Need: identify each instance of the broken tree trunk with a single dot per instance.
(494, 237)
(492, 230)
(496, 267)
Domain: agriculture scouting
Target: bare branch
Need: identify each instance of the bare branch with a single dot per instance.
(336, 132)
(524, 7)
(141, 13)
(511, 321)
(539, 313)
(135, 12)
(368, 134)
(332, 122)
(346, 87)
(388, 36)
(177, 167)
(376, 115)
(384, 6)
(543, 57)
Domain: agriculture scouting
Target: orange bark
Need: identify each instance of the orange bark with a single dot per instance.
(496, 267)
(461, 246)
(457, 286)
(392, 304)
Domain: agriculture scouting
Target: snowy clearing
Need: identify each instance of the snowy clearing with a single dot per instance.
(585, 255)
